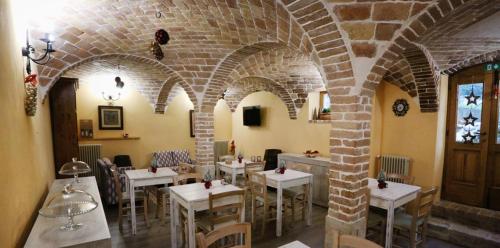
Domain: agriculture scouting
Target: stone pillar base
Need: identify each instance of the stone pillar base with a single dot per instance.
(333, 227)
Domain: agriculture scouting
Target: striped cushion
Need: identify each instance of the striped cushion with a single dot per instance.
(164, 159)
(181, 156)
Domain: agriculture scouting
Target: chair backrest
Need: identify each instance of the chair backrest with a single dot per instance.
(355, 242)
(422, 205)
(392, 164)
(253, 167)
(258, 185)
(220, 212)
(118, 183)
(185, 168)
(122, 161)
(299, 167)
(344, 240)
(271, 158)
(204, 241)
(184, 178)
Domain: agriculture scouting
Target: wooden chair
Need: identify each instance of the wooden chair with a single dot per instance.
(298, 195)
(159, 196)
(252, 167)
(124, 199)
(182, 179)
(187, 178)
(221, 214)
(413, 224)
(261, 198)
(204, 241)
(349, 241)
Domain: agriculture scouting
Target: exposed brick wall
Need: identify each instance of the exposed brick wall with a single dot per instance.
(248, 85)
(340, 45)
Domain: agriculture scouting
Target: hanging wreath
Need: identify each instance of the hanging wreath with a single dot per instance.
(400, 107)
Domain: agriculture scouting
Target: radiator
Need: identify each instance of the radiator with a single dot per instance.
(395, 164)
(89, 153)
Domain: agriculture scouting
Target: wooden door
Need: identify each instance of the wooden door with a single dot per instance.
(493, 169)
(64, 121)
(467, 136)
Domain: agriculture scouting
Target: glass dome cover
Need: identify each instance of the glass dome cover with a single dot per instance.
(69, 203)
(74, 168)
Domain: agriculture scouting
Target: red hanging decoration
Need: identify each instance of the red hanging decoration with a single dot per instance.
(31, 79)
(162, 37)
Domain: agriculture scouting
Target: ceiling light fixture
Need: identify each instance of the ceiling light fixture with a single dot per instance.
(29, 51)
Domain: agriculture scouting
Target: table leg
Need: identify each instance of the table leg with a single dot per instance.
(191, 227)
(390, 220)
(132, 206)
(309, 202)
(217, 171)
(233, 181)
(173, 220)
(279, 203)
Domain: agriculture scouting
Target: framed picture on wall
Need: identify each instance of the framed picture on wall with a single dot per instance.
(191, 123)
(110, 117)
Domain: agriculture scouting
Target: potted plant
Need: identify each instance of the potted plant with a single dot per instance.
(207, 179)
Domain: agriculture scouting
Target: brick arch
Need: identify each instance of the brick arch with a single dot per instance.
(169, 90)
(218, 81)
(483, 58)
(400, 75)
(248, 85)
(161, 68)
(293, 71)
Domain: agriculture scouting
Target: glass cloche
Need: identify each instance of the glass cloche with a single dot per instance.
(69, 203)
(74, 168)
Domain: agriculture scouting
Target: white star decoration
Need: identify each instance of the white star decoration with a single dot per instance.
(469, 120)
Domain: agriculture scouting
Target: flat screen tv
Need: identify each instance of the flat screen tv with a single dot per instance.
(251, 116)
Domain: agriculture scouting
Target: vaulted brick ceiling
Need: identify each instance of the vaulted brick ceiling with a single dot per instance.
(349, 44)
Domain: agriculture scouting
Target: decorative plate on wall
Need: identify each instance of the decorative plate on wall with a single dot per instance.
(400, 107)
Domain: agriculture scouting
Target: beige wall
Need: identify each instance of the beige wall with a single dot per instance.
(27, 168)
(277, 129)
(156, 131)
(413, 135)
(223, 122)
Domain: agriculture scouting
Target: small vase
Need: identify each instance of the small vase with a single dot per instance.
(153, 169)
(208, 184)
(382, 184)
(282, 170)
(240, 160)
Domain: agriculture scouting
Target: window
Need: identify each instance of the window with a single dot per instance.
(324, 102)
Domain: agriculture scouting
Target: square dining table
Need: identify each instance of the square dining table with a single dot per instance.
(291, 178)
(235, 168)
(143, 177)
(390, 198)
(194, 197)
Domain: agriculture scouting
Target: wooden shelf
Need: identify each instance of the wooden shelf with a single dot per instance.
(110, 138)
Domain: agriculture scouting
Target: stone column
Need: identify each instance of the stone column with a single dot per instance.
(348, 174)
(204, 137)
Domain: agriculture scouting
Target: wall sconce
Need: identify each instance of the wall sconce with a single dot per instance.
(110, 97)
(29, 52)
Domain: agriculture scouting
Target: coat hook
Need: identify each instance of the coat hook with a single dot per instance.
(158, 14)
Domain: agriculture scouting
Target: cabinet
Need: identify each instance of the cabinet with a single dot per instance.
(320, 167)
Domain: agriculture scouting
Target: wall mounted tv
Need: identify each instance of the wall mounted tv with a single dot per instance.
(251, 116)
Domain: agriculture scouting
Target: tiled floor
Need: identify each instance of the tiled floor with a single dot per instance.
(158, 234)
